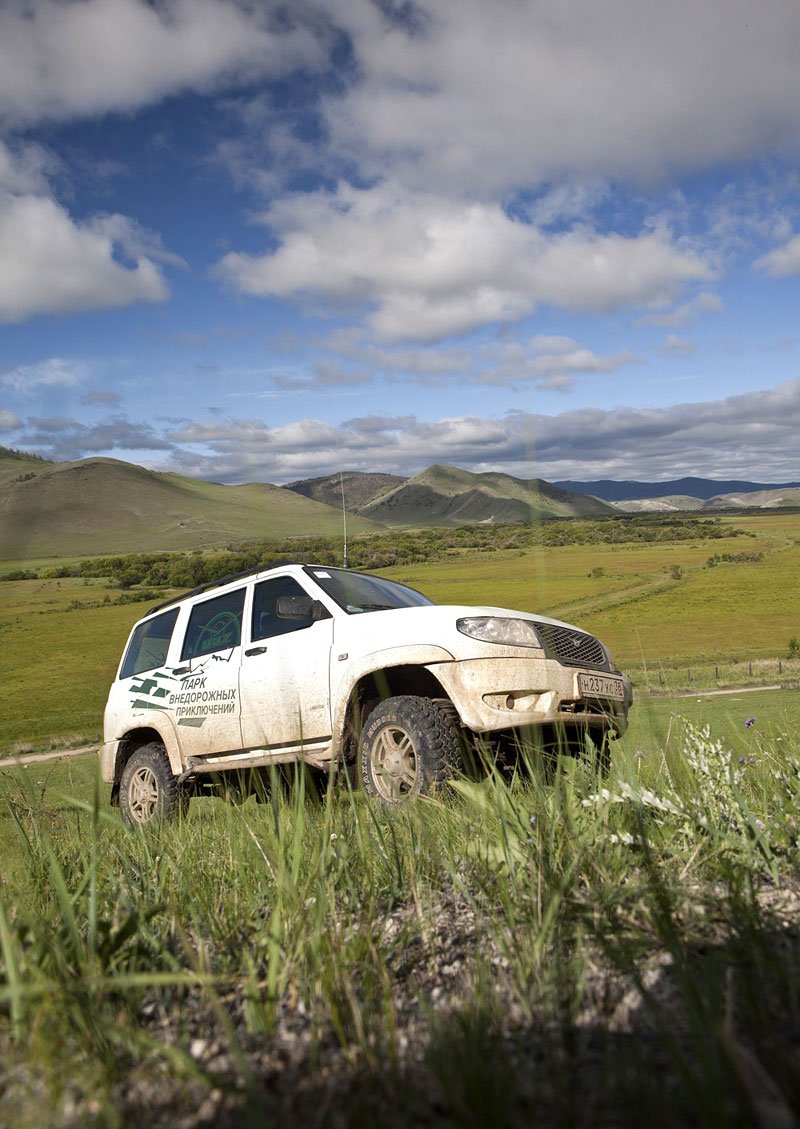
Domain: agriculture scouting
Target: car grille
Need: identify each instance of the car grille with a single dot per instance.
(571, 647)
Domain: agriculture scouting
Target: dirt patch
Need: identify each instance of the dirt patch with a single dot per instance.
(53, 755)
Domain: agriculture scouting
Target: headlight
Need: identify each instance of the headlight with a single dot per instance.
(507, 632)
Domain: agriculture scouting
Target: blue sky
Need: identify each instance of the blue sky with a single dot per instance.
(265, 241)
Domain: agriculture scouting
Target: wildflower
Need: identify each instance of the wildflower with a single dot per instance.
(750, 723)
(532, 821)
(747, 760)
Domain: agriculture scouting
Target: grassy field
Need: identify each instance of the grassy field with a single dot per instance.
(707, 627)
(555, 949)
(655, 605)
(460, 962)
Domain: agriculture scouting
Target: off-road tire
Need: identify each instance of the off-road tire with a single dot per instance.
(148, 791)
(409, 745)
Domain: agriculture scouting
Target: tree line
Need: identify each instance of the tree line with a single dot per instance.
(379, 550)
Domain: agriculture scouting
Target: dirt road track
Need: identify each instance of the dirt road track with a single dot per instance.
(53, 755)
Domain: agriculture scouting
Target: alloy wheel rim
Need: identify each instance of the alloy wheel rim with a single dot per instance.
(395, 764)
(143, 794)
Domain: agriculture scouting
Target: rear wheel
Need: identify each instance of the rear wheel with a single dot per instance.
(408, 746)
(148, 791)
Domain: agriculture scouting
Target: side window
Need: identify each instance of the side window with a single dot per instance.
(214, 625)
(268, 620)
(149, 644)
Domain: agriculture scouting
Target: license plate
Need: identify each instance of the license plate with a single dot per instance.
(601, 686)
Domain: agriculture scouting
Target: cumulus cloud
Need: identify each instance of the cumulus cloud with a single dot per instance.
(52, 264)
(492, 96)
(753, 435)
(62, 60)
(429, 267)
(9, 421)
(782, 261)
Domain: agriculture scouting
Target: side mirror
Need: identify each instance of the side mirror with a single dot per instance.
(300, 607)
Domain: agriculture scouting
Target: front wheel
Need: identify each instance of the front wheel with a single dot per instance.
(148, 792)
(408, 746)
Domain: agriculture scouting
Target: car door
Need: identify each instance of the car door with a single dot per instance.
(285, 672)
(205, 703)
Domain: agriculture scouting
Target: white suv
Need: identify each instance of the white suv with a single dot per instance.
(328, 667)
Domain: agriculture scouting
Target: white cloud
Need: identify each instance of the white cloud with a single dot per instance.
(782, 261)
(705, 303)
(465, 95)
(57, 372)
(65, 439)
(430, 266)
(23, 170)
(753, 435)
(544, 361)
(51, 264)
(63, 60)
(678, 346)
(547, 363)
(8, 421)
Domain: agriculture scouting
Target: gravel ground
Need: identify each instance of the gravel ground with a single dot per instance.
(446, 1064)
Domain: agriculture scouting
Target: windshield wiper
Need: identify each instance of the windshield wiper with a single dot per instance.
(371, 607)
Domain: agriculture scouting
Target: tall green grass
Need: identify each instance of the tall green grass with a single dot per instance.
(555, 948)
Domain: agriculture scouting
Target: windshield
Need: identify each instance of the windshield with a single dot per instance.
(357, 593)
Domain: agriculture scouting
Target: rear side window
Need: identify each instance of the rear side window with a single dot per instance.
(214, 625)
(149, 644)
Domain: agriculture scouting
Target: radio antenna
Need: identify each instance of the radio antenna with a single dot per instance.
(344, 519)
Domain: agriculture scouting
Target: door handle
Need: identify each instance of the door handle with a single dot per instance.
(255, 651)
(181, 670)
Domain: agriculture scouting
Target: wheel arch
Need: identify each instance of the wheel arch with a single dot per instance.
(376, 686)
(135, 739)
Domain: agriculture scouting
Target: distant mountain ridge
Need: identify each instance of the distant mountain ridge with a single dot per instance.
(102, 505)
(446, 495)
(613, 490)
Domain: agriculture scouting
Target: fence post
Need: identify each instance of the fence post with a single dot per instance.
(750, 668)
(780, 666)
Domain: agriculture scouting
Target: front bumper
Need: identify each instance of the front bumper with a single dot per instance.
(492, 694)
(108, 760)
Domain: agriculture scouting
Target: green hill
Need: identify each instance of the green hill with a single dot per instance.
(108, 506)
(444, 495)
(99, 506)
(360, 488)
(16, 466)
